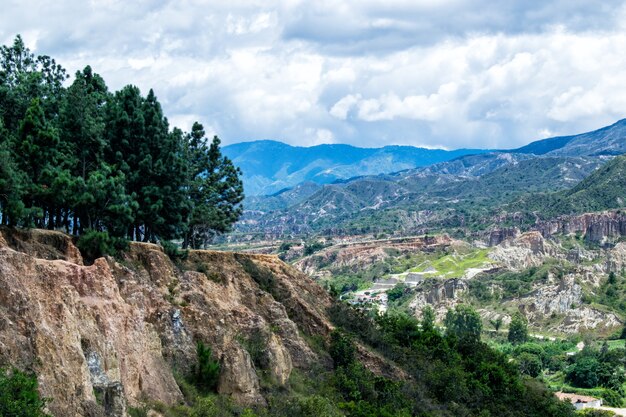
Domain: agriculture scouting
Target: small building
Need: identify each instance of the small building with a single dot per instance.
(580, 401)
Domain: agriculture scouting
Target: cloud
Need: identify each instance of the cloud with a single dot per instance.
(449, 73)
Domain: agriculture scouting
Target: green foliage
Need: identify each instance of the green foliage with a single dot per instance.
(591, 368)
(94, 245)
(311, 247)
(80, 158)
(19, 396)
(529, 364)
(285, 246)
(594, 412)
(518, 329)
(462, 375)
(428, 319)
(263, 276)
(309, 406)
(173, 251)
(255, 343)
(612, 398)
(464, 323)
(496, 323)
(341, 350)
(137, 411)
(602, 190)
(612, 293)
(214, 187)
(396, 292)
(207, 370)
(400, 295)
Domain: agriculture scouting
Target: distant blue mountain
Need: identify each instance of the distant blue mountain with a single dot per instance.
(270, 166)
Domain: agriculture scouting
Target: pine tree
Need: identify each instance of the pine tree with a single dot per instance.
(40, 159)
(215, 190)
(81, 158)
(82, 132)
(11, 183)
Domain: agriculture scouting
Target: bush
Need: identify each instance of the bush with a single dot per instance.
(311, 248)
(256, 346)
(93, 245)
(464, 323)
(207, 370)
(341, 350)
(263, 276)
(173, 252)
(19, 396)
(594, 412)
(518, 329)
(529, 364)
(583, 373)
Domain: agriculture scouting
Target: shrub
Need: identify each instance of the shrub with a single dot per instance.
(94, 245)
(518, 329)
(464, 323)
(19, 396)
(207, 370)
(261, 275)
(256, 346)
(612, 398)
(529, 364)
(173, 252)
(342, 350)
(311, 248)
(583, 373)
(594, 412)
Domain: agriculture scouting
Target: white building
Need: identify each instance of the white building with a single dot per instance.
(580, 401)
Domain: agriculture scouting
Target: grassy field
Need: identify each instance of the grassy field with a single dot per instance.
(455, 265)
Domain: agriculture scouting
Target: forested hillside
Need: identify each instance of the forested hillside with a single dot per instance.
(604, 189)
(83, 158)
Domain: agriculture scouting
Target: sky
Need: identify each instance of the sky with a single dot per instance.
(432, 73)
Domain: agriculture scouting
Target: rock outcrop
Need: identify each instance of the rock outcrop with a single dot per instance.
(595, 227)
(360, 255)
(441, 296)
(528, 249)
(113, 334)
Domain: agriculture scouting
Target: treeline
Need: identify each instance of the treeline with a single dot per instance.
(83, 158)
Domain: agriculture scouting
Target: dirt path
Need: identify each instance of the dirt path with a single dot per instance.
(617, 411)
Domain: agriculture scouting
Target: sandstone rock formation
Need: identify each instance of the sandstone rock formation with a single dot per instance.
(595, 227)
(113, 334)
(528, 249)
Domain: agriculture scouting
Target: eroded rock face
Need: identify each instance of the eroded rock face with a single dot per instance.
(596, 227)
(441, 296)
(500, 235)
(358, 256)
(528, 249)
(103, 336)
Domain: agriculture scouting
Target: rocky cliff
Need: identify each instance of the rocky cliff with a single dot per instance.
(116, 333)
(599, 227)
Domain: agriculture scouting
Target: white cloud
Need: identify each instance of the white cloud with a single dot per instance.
(453, 73)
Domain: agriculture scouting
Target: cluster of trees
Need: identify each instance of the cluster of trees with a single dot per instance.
(455, 373)
(592, 367)
(83, 158)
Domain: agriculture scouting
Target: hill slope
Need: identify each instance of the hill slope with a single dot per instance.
(120, 336)
(604, 189)
(609, 140)
(406, 200)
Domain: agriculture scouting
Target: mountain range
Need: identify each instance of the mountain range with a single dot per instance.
(472, 184)
(270, 166)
